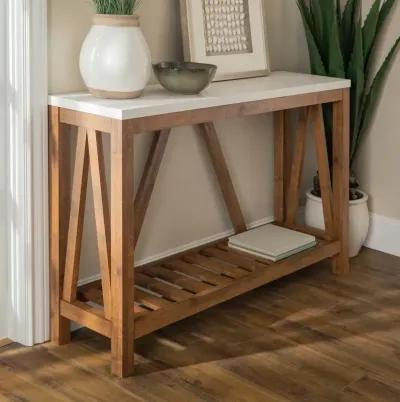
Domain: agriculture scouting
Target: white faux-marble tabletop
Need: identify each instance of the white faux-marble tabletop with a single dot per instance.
(157, 101)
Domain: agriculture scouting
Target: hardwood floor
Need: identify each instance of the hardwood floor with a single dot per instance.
(309, 337)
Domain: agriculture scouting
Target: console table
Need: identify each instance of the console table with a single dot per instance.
(128, 303)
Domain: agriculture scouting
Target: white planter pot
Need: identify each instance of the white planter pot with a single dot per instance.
(115, 60)
(358, 220)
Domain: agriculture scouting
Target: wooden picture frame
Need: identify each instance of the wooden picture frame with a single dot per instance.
(228, 33)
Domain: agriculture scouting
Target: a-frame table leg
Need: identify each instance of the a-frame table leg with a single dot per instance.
(122, 251)
(341, 156)
(59, 202)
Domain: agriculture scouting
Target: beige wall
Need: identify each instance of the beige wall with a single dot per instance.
(186, 205)
(378, 164)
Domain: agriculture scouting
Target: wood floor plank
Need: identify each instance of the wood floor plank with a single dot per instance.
(309, 337)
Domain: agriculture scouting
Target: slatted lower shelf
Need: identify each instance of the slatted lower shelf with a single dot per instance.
(168, 291)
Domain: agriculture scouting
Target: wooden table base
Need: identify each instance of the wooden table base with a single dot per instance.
(128, 303)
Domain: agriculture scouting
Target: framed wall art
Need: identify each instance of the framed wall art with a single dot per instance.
(228, 33)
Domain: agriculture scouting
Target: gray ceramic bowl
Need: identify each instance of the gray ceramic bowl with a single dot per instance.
(184, 77)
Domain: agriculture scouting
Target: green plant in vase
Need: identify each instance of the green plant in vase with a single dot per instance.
(341, 45)
(116, 7)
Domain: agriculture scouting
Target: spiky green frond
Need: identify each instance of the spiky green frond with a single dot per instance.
(373, 97)
(340, 46)
(316, 63)
(370, 28)
(116, 7)
(336, 62)
(347, 29)
(357, 75)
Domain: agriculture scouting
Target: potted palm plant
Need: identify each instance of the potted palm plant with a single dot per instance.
(341, 46)
(115, 59)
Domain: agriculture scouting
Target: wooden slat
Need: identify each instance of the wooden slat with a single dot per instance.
(241, 261)
(102, 213)
(209, 134)
(288, 151)
(164, 289)
(260, 277)
(341, 163)
(77, 212)
(198, 272)
(59, 202)
(150, 301)
(279, 169)
(323, 166)
(88, 316)
(94, 293)
(192, 285)
(218, 266)
(122, 252)
(149, 177)
(91, 292)
(297, 167)
(193, 117)
(87, 120)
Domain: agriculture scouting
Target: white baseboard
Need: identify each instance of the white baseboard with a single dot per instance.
(183, 248)
(384, 234)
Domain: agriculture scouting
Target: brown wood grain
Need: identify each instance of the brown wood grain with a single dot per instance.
(149, 178)
(208, 132)
(341, 163)
(102, 214)
(59, 201)
(279, 166)
(297, 167)
(261, 276)
(77, 213)
(308, 337)
(194, 117)
(91, 317)
(122, 251)
(323, 166)
(183, 281)
(198, 279)
(194, 268)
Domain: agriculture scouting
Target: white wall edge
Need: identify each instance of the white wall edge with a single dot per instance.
(384, 234)
(184, 247)
(28, 315)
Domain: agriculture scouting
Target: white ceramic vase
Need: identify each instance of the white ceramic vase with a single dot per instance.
(358, 220)
(115, 60)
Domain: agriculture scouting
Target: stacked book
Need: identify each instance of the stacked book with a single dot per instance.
(272, 242)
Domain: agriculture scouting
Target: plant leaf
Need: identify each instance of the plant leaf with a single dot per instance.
(357, 76)
(347, 29)
(383, 15)
(385, 12)
(336, 62)
(373, 97)
(370, 28)
(317, 23)
(316, 63)
(338, 13)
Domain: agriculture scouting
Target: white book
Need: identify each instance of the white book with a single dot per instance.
(272, 242)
